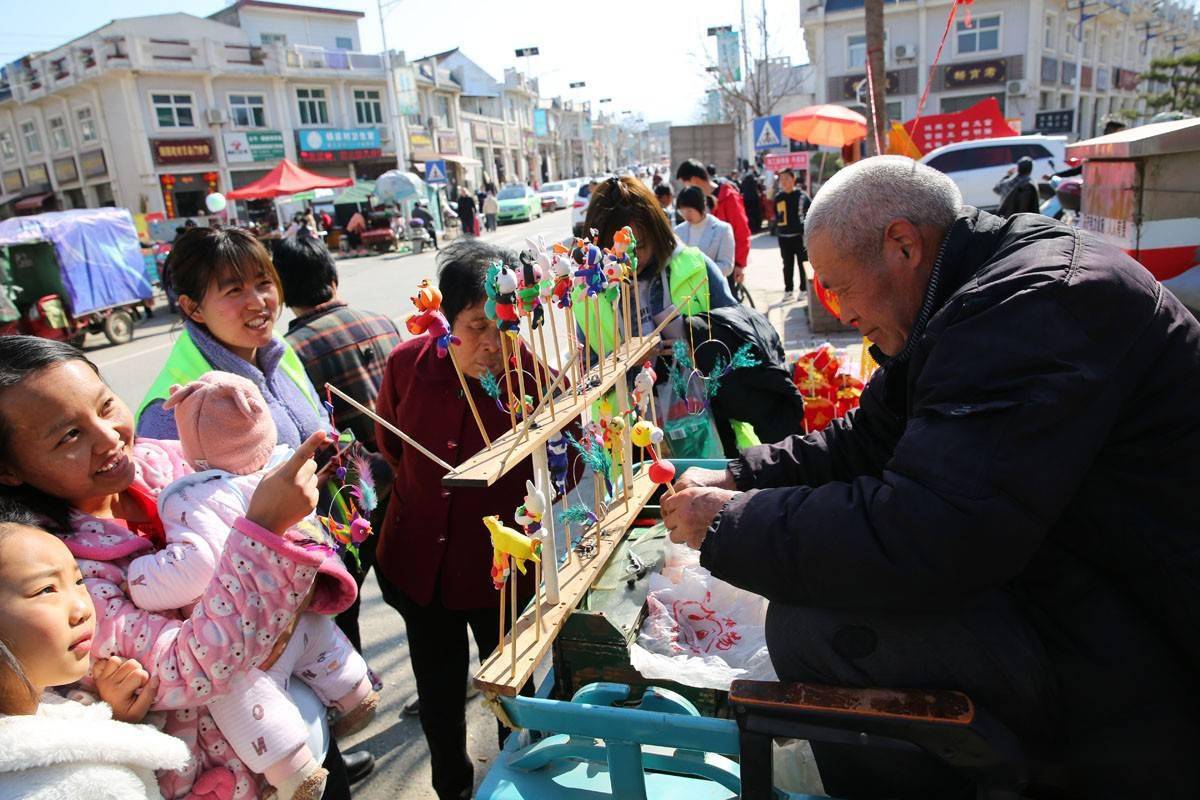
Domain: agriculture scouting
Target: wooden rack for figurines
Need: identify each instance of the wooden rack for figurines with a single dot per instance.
(582, 284)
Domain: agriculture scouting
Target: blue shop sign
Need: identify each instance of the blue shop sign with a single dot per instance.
(334, 139)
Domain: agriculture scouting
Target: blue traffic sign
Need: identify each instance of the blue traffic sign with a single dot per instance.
(768, 132)
(435, 171)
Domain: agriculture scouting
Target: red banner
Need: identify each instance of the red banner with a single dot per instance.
(984, 120)
(774, 162)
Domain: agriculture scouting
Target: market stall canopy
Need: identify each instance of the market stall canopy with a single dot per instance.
(359, 193)
(828, 125)
(97, 251)
(286, 179)
(1155, 139)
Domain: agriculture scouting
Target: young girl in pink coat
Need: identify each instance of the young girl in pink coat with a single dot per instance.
(67, 451)
(227, 434)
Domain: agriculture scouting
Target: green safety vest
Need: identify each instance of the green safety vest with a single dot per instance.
(688, 271)
(186, 363)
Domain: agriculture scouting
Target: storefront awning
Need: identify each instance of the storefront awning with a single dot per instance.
(465, 161)
(31, 202)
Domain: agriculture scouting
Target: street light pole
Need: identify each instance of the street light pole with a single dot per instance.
(396, 123)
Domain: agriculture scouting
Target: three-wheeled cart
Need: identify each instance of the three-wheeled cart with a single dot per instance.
(66, 274)
(1141, 191)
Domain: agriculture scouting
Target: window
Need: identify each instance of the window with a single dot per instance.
(1051, 34)
(1044, 99)
(895, 110)
(248, 110)
(368, 109)
(173, 110)
(314, 108)
(856, 50)
(441, 110)
(59, 139)
(1088, 38)
(272, 38)
(8, 149)
(344, 43)
(1104, 47)
(85, 125)
(1069, 38)
(30, 137)
(982, 36)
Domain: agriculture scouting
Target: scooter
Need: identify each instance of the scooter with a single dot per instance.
(418, 236)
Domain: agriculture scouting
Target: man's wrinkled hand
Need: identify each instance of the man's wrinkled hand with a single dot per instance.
(688, 513)
(699, 477)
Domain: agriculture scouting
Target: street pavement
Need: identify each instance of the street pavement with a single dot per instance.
(383, 284)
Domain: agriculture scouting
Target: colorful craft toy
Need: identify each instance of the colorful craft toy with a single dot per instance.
(431, 321)
(510, 546)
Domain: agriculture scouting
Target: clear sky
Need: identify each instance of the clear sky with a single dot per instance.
(647, 55)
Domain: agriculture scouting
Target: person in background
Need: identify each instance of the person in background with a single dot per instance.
(326, 220)
(491, 208)
(663, 194)
(752, 199)
(703, 230)
(347, 348)
(791, 204)
(466, 211)
(355, 228)
(729, 208)
(1019, 193)
(421, 211)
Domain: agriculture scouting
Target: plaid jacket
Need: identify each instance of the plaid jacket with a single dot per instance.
(348, 349)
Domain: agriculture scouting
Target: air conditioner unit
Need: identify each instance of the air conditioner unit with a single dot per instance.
(905, 52)
(1018, 88)
(385, 135)
(217, 116)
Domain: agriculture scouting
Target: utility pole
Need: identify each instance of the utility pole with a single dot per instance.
(396, 123)
(877, 122)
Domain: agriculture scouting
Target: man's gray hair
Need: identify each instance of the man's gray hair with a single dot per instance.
(857, 204)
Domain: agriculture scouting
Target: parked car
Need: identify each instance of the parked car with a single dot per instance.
(518, 202)
(978, 165)
(556, 195)
(579, 208)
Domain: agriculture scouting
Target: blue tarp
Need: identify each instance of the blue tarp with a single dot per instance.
(98, 254)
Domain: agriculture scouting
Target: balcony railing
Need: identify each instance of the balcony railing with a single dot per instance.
(305, 57)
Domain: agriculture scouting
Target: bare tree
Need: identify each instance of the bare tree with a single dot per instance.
(877, 119)
(772, 79)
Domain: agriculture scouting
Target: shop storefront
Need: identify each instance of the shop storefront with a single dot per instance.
(94, 169)
(66, 175)
(343, 152)
(184, 192)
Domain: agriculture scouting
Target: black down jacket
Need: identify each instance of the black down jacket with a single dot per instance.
(763, 396)
(1039, 434)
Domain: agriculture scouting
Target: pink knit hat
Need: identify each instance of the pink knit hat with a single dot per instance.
(223, 423)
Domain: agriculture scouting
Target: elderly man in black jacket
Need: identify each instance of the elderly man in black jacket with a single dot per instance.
(1013, 511)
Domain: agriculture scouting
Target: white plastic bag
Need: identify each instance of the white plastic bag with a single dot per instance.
(700, 631)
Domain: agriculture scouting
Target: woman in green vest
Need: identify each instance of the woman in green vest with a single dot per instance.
(668, 271)
(229, 298)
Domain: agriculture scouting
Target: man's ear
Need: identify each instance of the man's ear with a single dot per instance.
(906, 239)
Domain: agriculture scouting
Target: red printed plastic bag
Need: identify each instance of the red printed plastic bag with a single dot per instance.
(700, 631)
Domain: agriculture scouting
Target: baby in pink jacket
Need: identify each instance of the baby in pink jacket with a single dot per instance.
(227, 435)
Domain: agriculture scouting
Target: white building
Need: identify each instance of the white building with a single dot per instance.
(1022, 52)
(153, 113)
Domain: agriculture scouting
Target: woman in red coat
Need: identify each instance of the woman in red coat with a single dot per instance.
(434, 553)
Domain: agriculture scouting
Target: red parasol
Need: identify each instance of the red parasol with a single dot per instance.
(286, 179)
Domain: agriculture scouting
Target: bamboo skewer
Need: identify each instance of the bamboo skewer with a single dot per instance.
(537, 598)
(537, 379)
(516, 343)
(512, 413)
(512, 615)
(470, 399)
(500, 646)
(403, 436)
(600, 337)
(537, 410)
(546, 367)
(616, 351)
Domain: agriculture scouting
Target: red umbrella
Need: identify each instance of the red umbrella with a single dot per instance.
(829, 125)
(286, 179)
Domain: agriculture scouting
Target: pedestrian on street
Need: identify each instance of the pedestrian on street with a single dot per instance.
(434, 556)
(1019, 193)
(662, 193)
(355, 228)
(491, 208)
(729, 208)
(752, 200)
(791, 204)
(703, 230)
(421, 211)
(347, 348)
(1011, 511)
(466, 211)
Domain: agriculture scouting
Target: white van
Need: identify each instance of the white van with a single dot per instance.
(978, 165)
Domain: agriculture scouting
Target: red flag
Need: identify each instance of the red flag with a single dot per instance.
(984, 120)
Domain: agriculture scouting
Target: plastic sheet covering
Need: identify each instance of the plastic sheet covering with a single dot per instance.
(97, 251)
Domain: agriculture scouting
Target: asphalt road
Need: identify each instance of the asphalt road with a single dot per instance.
(382, 284)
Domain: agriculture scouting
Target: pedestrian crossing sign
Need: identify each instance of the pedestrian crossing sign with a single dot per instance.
(435, 171)
(768, 132)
